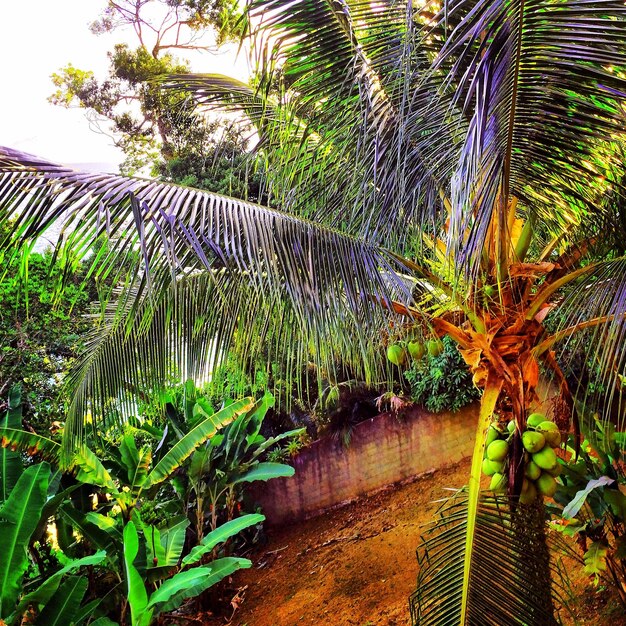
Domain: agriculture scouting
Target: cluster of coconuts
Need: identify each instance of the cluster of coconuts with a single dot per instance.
(398, 352)
(542, 467)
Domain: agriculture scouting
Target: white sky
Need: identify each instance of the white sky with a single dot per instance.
(39, 37)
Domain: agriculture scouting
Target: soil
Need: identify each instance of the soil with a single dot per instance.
(356, 566)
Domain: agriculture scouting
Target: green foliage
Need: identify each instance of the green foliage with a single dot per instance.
(41, 332)
(22, 515)
(212, 155)
(19, 517)
(213, 483)
(442, 382)
(128, 481)
(27, 500)
(10, 461)
(229, 380)
(590, 505)
(163, 133)
(131, 78)
(222, 16)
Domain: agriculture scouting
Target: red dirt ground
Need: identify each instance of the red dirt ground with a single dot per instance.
(356, 566)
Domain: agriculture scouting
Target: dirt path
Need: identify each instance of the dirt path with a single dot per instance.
(356, 565)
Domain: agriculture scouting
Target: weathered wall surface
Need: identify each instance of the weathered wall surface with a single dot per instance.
(383, 451)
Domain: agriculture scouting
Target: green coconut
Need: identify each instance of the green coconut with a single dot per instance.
(533, 441)
(498, 483)
(396, 354)
(490, 290)
(551, 432)
(556, 470)
(497, 450)
(511, 426)
(532, 471)
(492, 467)
(435, 347)
(546, 485)
(546, 459)
(535, 419)
(416, 350)
(529, 492)
(492, 434)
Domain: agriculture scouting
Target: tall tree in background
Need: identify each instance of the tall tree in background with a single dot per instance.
(457, 163)
(156, 130)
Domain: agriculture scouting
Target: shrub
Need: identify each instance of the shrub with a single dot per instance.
(442, 382)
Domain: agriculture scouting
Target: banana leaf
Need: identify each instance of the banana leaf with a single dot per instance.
(221, 534)
(171, 540)
(195, 437)
(11, 465)
(188, 584)
(64, 605)
(41, 596)
(266, 471)
(29, 443)
(89, 469)
(135, 462)
(136, 590)
(105, 540)
(19, 517)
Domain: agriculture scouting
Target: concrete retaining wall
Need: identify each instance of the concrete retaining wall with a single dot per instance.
(382, 451)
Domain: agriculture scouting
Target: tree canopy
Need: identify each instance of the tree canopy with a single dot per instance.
(441, 170)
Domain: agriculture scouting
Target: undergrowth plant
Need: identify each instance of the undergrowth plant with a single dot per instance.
(151, 546)
(590, 506)
(442, 382)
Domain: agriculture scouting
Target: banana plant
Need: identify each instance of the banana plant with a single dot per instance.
(57, 600)
(11, 465)
(28, 498)
(233, 457)
(129, 478)
(133, 473)
(186, 583)
(218, 469)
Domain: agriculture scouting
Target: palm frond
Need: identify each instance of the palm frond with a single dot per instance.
(387, 120)
(510, 580)
(349, 119)
(228, 93)
(202, 272)
(543, 87)
(592, 323)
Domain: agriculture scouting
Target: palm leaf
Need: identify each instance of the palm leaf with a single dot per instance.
(390, 117)
(510, 578)
(206, 266)
(543, 110)
(592, 321)
(344, 108)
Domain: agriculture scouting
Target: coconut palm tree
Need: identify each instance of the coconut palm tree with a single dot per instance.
(452, 169)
